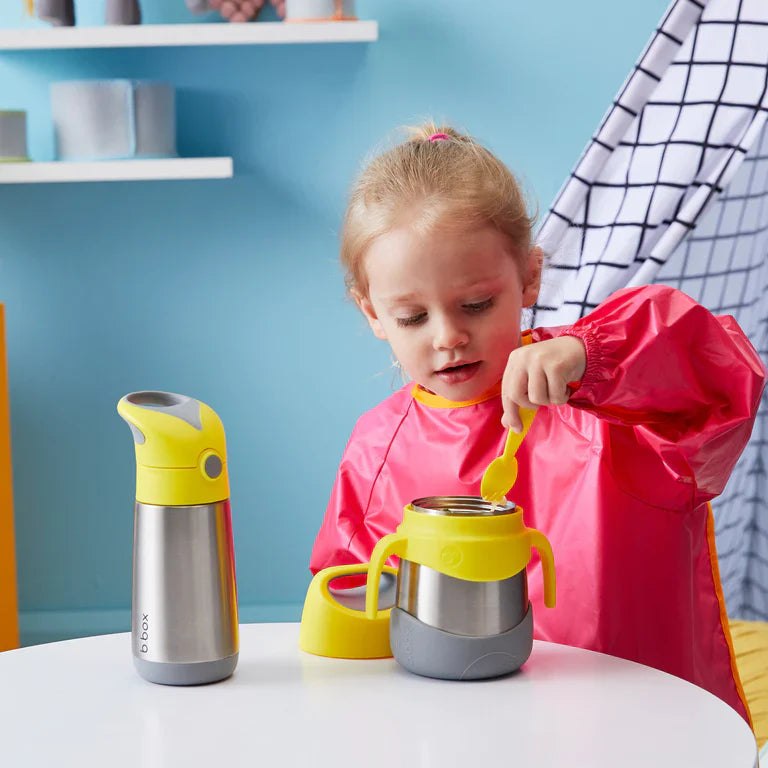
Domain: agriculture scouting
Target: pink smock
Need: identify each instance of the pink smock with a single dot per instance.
(619, 480)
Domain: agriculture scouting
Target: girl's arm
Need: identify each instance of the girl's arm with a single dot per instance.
(679, 387)
(343, 518)
(348, 535)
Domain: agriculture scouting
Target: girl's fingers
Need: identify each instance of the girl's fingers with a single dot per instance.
(539, 376)
(557, 388)
(511, 418)
(514, 395)
(538, 389)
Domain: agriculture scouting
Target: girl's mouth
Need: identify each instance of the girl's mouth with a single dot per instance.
(458, 374)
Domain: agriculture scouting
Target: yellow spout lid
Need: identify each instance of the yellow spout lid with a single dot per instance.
(181, 457)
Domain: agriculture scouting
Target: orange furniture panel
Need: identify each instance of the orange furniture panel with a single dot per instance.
(9, 616)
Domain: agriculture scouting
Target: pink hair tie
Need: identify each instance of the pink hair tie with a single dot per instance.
(439, 137)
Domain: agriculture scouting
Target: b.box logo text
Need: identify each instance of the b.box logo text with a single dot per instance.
(144, 636)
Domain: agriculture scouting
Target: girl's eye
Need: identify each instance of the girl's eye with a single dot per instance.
(479, 306)
(404, 322)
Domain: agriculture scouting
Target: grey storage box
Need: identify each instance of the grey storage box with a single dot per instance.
(113, 119)
(13, 136)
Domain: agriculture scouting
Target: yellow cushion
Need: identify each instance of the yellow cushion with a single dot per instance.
(750, 643)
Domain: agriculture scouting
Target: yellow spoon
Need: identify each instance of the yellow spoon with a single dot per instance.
(501, 473)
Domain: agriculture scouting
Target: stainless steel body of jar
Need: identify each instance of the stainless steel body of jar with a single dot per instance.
(451, 628)
(184, 617)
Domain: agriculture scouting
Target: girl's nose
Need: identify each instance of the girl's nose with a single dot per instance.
(449, 335)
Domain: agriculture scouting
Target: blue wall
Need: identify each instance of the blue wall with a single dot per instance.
(229, 290)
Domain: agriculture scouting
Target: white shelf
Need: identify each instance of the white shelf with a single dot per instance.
(160, 35)
(117, 170)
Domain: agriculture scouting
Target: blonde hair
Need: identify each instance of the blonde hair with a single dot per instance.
(425, 182)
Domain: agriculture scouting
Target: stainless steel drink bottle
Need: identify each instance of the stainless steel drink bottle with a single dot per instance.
(184, 605)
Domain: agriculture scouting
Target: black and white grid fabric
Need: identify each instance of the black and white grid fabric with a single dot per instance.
(673, 189)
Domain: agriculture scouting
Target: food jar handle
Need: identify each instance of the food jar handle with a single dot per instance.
(540, 542)
(327, 575)
(386, 547)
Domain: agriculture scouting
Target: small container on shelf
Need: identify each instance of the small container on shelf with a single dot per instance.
(13, 136)
(320, 10)
(113, 119)
(61, 13)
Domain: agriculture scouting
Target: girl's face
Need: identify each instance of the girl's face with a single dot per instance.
(449, 305)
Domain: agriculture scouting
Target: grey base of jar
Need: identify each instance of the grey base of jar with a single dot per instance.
(431, 652)
(194, 673)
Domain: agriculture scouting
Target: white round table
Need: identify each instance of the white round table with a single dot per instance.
(80, 703)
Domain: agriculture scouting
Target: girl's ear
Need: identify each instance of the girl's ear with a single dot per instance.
(532, 284)
(365, 305)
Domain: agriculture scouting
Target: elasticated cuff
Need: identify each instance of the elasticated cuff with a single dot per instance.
(594, 355)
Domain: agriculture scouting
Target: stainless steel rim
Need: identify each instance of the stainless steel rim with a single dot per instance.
(461, 506)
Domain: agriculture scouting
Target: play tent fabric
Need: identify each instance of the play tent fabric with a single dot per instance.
(673, 188)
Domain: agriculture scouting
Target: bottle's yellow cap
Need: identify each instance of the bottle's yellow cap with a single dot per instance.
(181, 457)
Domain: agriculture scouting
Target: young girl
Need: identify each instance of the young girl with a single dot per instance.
(644, 406)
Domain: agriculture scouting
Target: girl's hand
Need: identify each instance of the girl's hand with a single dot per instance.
(539, 374)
